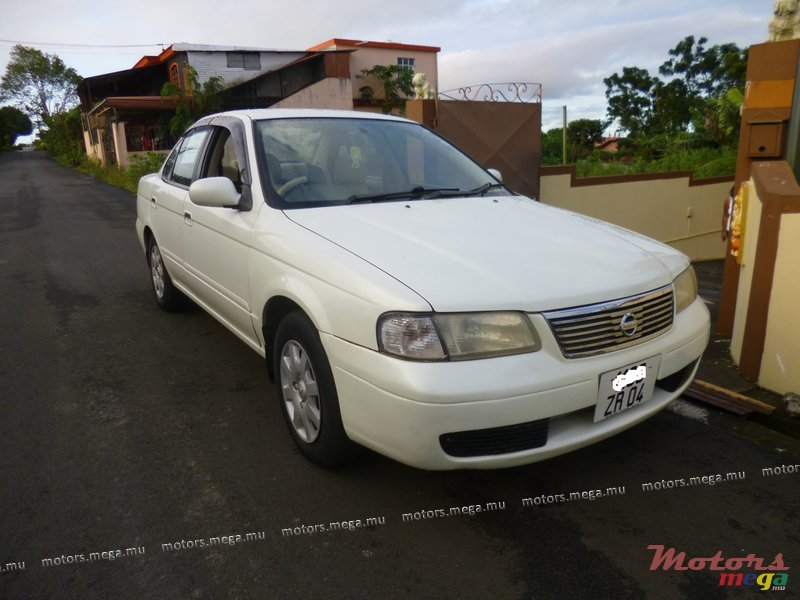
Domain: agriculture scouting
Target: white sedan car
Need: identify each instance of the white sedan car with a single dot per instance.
(406, 301)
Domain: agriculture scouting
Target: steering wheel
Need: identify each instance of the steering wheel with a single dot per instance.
(291, 184)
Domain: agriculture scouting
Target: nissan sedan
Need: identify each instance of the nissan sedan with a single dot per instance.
(406, 301)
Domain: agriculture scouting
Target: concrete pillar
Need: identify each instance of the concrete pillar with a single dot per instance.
(120, 143)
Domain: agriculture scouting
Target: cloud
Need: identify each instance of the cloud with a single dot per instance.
(575, 63)
(567, 45)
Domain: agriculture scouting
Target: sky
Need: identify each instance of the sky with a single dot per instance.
(568, 46)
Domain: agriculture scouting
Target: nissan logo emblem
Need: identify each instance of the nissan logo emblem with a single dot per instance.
(629, 324)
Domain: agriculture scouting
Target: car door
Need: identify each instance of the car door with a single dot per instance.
(169, 196)
(217, 240)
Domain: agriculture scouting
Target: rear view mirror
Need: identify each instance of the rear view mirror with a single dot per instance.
(216, 192)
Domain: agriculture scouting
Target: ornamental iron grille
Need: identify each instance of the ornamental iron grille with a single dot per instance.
(496, 92)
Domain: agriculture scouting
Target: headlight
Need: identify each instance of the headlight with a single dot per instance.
(410, 336)
(456, 336)
(685, 286)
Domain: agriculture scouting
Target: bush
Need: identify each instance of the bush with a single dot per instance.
(128, 179)
(701, 161)
(63, 137)
(112, 175)
(144, 164)
(724, 165)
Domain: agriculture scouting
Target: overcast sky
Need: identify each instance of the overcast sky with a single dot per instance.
(568, 46)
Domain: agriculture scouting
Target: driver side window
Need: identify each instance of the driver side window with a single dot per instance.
(223, 160)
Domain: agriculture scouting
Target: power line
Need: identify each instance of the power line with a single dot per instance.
(68, 52)
(70, 45)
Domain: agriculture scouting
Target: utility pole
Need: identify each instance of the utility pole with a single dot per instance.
(564, 135)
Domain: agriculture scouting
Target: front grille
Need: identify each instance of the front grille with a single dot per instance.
(496, 440)
(599, 328)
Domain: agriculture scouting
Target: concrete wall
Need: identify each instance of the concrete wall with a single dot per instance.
(120, 143)
(94, 151)
(765, 340)
(752, 223)
(366, 58)
(331, 92)
(670, 207)
(780, 364)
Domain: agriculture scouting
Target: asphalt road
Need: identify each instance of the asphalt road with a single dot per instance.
(125, 427)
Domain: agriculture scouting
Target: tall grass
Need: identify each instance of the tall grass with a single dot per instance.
(125, 178)
(700, 161)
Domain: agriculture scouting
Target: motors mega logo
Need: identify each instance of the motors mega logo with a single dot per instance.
(731, 570)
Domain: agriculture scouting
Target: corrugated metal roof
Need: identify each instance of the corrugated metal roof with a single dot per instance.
(216, 48)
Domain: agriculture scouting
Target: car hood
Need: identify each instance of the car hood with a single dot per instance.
(496, 253)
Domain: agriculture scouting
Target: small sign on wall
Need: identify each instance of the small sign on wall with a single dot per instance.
(737, 221)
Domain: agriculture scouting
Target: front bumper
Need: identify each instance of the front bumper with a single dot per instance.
(401, 408)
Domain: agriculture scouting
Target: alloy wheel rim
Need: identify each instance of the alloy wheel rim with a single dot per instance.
(157, 271)
(300, 391)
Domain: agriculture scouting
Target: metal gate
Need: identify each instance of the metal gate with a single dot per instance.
(500, 126)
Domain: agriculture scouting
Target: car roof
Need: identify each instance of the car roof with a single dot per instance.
(259, 114)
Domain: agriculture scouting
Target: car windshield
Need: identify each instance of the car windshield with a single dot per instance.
(327, 161)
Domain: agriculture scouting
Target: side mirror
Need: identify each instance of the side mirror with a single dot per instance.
(496, 174)
(216, 192)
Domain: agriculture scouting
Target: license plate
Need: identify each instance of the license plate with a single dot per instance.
(626, 387)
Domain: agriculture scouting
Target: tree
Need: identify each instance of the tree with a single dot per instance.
(631, 98)
(396, 83)
(672, 106)
(582, 135)
(13, 123)
(649, 105)
(552, 146)
(63, 137)
(643, 104)
(706, 71)
(200, 100)
(39, 84)
(718, 119)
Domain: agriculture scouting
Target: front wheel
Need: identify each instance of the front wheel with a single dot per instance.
(307, 393)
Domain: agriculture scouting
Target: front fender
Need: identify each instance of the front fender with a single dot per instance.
(342, 294)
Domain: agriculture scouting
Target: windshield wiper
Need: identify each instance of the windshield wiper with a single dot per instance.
(478, 191)
(415, 192)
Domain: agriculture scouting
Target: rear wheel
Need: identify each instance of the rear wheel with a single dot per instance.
(307, 393)
(168, 297)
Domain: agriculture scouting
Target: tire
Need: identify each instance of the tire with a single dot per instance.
(167, 296)
(307, 393)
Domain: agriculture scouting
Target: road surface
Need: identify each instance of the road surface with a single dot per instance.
(155, 438)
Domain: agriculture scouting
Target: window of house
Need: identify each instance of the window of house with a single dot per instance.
(174, 74)
(405, 63)
(244, 60)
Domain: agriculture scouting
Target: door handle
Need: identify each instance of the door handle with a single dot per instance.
(153, 202)
(187, 217)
